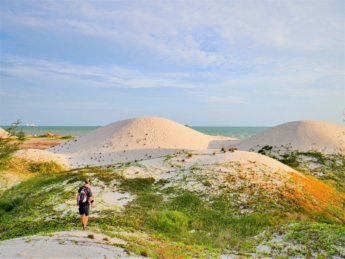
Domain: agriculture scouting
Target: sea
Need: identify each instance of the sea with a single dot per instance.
(236, 132)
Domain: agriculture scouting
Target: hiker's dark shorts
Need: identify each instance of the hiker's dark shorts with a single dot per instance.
(84, 209)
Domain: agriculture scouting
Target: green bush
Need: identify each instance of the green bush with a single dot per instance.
(7, 205)
(20, 135)
(45, 167)
(170, 222)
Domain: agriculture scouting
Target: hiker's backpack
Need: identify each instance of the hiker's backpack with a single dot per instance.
(83, 195)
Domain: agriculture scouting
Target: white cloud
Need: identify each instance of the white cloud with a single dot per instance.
(113, 76)
(293, 79)
(170, 29)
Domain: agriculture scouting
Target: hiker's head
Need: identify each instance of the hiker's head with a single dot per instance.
(87, 181)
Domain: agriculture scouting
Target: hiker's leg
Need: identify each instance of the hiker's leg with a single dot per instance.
(83, 219)
(86, 219)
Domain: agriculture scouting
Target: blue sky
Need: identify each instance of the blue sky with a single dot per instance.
(205, 62)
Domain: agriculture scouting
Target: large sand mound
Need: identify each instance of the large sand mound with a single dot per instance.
(300, 135)
(136, 139)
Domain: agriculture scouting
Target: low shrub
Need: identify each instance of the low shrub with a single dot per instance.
(21, 135)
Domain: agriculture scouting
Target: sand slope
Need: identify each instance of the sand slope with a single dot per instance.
(137, 138)
(38, 155)
(3, 133)
(186, 169)
(300, 135)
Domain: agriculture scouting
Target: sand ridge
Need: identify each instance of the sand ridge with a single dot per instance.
(153, 137)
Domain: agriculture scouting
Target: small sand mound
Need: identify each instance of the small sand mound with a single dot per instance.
(217, 167)
(4, 133)
(38, 155)
(300, 135)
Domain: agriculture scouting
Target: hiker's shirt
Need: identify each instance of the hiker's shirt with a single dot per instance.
(84, 195)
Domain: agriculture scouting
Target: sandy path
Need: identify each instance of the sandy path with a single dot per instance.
(63, 245)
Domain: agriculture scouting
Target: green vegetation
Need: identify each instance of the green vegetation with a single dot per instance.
(169, 222)
(55, 136)
(7, 148)
(67, 137)
(21, 135)
(137, 185)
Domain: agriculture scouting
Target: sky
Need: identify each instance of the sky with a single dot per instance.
(197, 62)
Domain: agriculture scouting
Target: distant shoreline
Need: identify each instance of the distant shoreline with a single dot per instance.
(231, 131)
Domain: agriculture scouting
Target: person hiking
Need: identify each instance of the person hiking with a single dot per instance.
(84, 198)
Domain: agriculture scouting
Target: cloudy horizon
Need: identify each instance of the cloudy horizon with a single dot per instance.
(210, 63)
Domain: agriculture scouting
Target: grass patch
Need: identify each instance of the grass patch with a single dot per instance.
(45, 167)
(137, 185)
(170, 222)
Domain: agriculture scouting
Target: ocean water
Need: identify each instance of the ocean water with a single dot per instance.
(237, 132)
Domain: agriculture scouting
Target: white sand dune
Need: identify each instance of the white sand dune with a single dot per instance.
(4, 133)
(138, 138)
(37, 155)
(300, 135)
